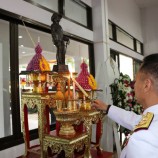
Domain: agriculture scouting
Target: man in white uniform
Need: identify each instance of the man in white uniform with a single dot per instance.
(143, 143)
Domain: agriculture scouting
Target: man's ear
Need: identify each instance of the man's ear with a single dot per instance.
(147, 85)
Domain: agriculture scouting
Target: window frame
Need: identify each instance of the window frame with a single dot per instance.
(114, 53)
(114, 38)
(15, 20)
(61, 10)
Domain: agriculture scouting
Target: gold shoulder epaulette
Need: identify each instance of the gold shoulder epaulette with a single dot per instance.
(145, 121)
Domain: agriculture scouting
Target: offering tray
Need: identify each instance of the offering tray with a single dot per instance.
(67, 118)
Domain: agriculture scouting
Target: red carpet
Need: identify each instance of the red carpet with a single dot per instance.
(93, 152)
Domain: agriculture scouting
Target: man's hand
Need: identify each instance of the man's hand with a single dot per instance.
(98, 104)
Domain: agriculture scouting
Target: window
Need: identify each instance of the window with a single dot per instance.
(126, 65)
(138, 46)
(79, 11)
(16, 50)
(5, 86)
(110, 30)
(73, 10)
(124, 38)
(51, 5)
(75, 58)
(26, 52)
(136, 66)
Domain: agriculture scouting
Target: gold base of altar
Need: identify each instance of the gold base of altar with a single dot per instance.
(94, 154)
(68, 144)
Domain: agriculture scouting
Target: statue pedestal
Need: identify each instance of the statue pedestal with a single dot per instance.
(60, 68)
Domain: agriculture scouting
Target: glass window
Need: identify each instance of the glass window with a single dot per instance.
(5, 103)
(26, 53)
(124, 38)
(136, 65)
(76, 53)
(50, 4)
(138, 47)
(79, 11)
(126, 65)
(110, 30)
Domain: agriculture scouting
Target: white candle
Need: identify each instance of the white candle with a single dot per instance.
(68, 84)
(74, 95)
(80, 88)
(73, 85)
(47, 77)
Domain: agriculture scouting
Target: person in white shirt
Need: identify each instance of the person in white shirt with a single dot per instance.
(143, 142)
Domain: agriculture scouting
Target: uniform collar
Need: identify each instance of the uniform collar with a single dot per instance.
(153, 109)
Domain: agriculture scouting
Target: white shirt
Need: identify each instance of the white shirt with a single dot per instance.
(142, 143)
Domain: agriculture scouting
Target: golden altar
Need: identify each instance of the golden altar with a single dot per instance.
(68, 115)
(68, 144)
(74, 116)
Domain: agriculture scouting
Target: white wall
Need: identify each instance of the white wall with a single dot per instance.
(28, 10)
(150, 30)
(126, 14)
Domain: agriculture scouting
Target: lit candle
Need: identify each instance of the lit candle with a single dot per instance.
(68, 84)
(80, 88)
(73, 84)
(74, 95)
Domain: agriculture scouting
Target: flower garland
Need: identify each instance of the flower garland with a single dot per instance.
(123, 96)
(92, 82)
(44, 66)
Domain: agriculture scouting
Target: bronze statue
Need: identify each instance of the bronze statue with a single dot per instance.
(59, 39)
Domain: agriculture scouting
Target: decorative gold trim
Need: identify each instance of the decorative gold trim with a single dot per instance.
(57, 144)
(41, 100)
(90, 117)
(145, 121)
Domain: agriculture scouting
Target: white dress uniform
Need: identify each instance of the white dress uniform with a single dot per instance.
(143, 143)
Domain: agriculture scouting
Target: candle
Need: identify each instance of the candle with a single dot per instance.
(81, 89)
(68, 88)
(47, 77)
(73, 85)
(74, 93)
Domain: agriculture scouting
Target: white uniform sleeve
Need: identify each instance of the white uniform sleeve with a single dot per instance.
(125, 118)
(142, 144)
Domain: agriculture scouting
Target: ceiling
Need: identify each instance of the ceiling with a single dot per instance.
(146, 3)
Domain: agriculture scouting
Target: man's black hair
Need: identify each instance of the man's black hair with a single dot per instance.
(150, 65)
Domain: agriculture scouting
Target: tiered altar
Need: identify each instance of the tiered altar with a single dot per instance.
(69, 115)
(72, 104)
